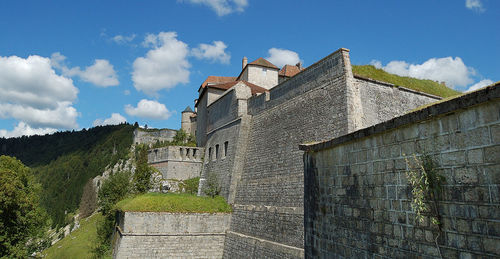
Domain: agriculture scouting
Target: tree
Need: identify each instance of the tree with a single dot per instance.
(142, 175)
(22, 221)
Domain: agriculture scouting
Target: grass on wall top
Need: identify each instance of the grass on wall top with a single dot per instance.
(174, 203)
(426, 86)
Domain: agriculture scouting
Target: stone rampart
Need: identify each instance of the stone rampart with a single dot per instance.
(170, 235)
(177, 162)
(151, 136)
(357, 196)
(318, 103)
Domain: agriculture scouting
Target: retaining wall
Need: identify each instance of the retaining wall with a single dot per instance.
(170, 235)
(357, 197)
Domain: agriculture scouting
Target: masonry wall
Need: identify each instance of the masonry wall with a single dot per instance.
(268, 206)
(223, 136)
(151, 136)
(314, 105)
(382, 101)
(170, 235)
(177, 162)
(357, 197)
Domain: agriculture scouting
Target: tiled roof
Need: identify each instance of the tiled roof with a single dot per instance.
(255, 89)
(188, 109)
(289, 70)
(217, 80)
(264, 63)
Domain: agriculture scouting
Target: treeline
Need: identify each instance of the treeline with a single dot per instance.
(64, 162)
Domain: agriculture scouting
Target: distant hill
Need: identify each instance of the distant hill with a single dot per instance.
(63, 162)
(426, 86)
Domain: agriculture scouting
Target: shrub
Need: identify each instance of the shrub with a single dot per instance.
(212, 186)
(190, 185)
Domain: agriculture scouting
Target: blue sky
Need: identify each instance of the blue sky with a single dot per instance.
(73, 64)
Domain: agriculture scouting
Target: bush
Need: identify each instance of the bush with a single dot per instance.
(190, 185)
(212, 186)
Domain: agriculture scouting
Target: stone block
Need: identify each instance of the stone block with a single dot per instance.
(495, 134)
(465, 175)
(475, 156)
(492, 154)
(453, 158)
(491, 245)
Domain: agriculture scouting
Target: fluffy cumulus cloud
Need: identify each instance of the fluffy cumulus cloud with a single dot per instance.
(281, 57)
(101, 73)
(450, 70)
(475, 5)
(164, 66)
(215, 52)
(480, 84)
(223, 7)
(33, 94)
(149, 109)
(24, 129)
(115, 119)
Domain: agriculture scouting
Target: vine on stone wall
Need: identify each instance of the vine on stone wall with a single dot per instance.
(426, 184)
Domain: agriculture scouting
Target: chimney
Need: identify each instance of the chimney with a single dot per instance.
(244, 63)
(299, 65)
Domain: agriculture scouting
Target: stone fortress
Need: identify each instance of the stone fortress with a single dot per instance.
(248, 131)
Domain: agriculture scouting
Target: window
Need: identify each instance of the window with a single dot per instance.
(264, 71)
(209, 154)
(226, 144)
(194, 152)
(217, 151)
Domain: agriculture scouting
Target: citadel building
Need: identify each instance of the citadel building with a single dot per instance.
(343, 193)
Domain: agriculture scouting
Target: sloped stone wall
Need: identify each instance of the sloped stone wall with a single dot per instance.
(170, 235)
(357, 197)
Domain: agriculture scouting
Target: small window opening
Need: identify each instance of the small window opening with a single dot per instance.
(217, 151)
(226, 144)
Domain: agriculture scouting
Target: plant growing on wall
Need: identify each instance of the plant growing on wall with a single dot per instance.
(426, 187)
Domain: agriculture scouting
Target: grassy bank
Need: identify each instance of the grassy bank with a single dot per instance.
(78, 244)
(171, 202)
(426, 86)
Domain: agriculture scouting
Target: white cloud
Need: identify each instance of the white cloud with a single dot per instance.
(121, 39)
(475, 5)
(164, 66)
(214, 52)
(452, 71)
(480, 84)
(223, 7)
(101, 73)
(148, 109)
(32, 93)
(115, 119)
(24, 129)
(281, 57)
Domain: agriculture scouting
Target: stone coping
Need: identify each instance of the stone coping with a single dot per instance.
(461, 102)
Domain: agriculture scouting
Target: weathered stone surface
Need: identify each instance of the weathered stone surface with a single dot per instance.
(386, 226)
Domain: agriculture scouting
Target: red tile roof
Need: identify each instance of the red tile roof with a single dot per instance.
(217, 80)
(255, 89)
(264, 63)
(289, 70)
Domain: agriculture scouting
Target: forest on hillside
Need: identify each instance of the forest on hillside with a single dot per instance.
(63, 162)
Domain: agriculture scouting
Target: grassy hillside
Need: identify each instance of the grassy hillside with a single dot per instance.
(170, 202)
(78, 244)
(63, 162)
(426, 86)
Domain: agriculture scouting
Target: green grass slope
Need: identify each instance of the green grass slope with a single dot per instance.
(175, 203)
(78, 244)
(426, 86)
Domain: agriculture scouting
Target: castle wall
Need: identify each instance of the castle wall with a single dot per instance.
(357, 196)
(224, 137)
(319, 103)
(177, 162)
(152, 135)
(170, 235)
(382, 101)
